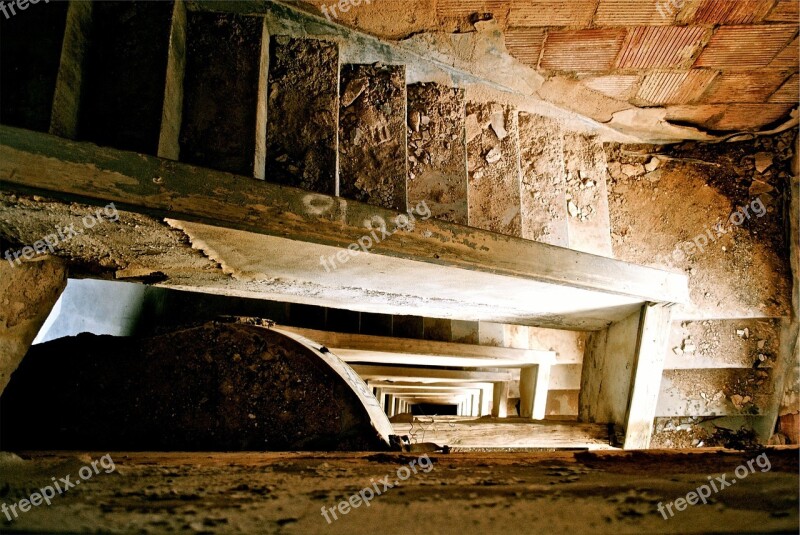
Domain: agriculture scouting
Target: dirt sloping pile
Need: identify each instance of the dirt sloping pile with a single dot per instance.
(216, 387)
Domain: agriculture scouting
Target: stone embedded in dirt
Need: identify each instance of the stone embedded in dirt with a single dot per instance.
(414, 120)
(498, 123)
(743, 333)
(354, 89)
(472, 126)
(740, 401)
(615, 169)
(758, 187)
(216, 387)
(632, 170)
(763, 161)
(653, 164)
(494, 156)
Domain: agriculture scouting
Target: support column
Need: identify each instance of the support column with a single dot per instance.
(28, 293)
(533, 387)
(67, 94)
(172, 112)
(476, 405)
(500, 400)
(381, 397)
(622, 372)
(390, 405)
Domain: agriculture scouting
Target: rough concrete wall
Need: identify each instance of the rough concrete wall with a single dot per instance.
(27, 294)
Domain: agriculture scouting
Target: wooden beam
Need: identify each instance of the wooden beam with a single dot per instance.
(69, 83)
(385, 373)
(386, 350)
(506, 433)
(172, 112)
(36, 162)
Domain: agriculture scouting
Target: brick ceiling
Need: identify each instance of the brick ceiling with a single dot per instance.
(716, 64)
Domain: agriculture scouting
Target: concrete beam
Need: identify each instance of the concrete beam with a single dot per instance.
(403, 373)
(359, 348)
(534, 383)
(533, 283)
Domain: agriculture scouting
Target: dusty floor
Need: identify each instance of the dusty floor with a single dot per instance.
(458, 493)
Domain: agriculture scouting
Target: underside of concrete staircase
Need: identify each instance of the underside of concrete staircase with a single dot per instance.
(453, 248)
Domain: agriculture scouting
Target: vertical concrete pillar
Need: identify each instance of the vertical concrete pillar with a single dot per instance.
(27, 295)
(390, 405)
(500, 400)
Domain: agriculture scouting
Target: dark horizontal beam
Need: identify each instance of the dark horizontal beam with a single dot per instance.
(34, 162)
